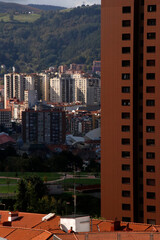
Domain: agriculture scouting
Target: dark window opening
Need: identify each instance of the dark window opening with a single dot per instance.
(151, 22)
(126, 206)
(150, 103)
(151, 35)
(125, 141)
(126, 50)
(150, 63)
(125, 154)
(125, 76)
(151, 49)
(151, 195)
(126, 23)
(126, 9)
(125, 115)
(125, 167)
(151, 208)
(125, 63)
(126, 102)
(125, 180)
(125, 89)
(150, 76)
(151, 8)
(150, 129)
(150, 116)
(126, 219)
(151, 221)
(150, 168)
(151, 182)
(150, 155)
(126, 36)
(125, 128)
(150, 142)
(150, 89)
(126, 193)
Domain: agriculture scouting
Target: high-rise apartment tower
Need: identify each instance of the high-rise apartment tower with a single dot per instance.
(131, 110)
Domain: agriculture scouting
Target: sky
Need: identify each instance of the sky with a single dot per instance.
(63, 3)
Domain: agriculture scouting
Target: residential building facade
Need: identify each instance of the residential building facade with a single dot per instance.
(130, 110)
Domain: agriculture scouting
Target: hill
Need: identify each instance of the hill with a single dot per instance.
(55, 38)
(15, 7)
(46, 7)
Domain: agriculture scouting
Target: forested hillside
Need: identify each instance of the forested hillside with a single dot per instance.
(55, 38)
(15, 7)
(46, 7)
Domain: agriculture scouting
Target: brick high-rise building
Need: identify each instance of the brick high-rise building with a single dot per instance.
(131, 110)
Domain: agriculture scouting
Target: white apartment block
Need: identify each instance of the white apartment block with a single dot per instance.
(87, 89)
(29, 82)
(30, 98)
(13, 87)
(44, 78)
(62, 88)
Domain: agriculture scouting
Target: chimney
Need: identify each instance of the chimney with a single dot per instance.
(12, 216)
(115, 226)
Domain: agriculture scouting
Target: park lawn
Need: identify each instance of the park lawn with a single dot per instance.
(81, 181)
(8, 189)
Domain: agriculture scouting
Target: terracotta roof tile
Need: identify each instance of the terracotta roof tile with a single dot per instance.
(51, 225)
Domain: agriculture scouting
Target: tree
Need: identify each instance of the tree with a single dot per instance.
(30, 191)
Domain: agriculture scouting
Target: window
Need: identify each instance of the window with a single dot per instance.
(151, 221)
(151, 182)
(126, 23)
(150, 103)
(125, 115)
(151, 22)
(126, 9)
(125, 89)
(126, 219)
(150, 129)
(150, 116)
(151, 35)
(125, 50)
(125, 180)
(125, 141)
(151, 195)
(126, 36)
(125, 63)
(125, 128)
(150, 63)
(126, 206)
(150, 89)
(125, 76)
(126, 193)
(151, 208)
(125, 154)
(151, 49)
(150, 155)
(150, 76)
(150, 168)
(150, 142)
(126, 102)
(125, 167)
(151, 8)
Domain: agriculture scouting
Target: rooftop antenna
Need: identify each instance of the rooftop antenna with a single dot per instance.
(13, 69)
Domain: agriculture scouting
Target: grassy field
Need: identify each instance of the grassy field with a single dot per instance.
(9, 185)
(8, 189)
(19, 18)
(47, 176)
